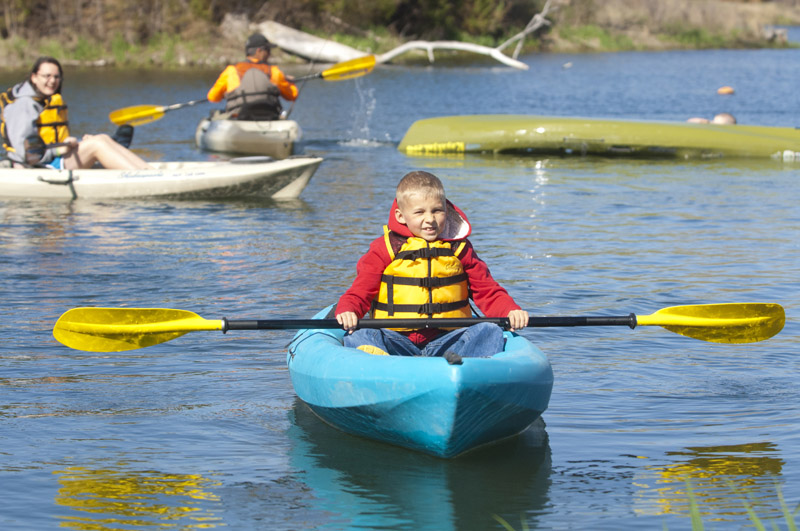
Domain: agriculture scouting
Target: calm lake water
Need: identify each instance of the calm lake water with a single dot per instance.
(205, 431)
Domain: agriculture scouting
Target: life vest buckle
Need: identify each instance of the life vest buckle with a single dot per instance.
(430, 308)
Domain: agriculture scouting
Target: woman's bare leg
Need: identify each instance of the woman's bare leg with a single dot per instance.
(102, 149)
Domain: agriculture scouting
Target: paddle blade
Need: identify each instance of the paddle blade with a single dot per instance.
(350, 69)
(720, 323)
(137, 115)
(118, 329)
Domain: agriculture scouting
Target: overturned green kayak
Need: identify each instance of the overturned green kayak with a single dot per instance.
(497, 133)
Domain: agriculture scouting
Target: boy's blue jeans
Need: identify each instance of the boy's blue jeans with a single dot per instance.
(480, 340)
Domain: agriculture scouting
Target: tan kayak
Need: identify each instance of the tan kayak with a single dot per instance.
(273, 138)
(244, 177)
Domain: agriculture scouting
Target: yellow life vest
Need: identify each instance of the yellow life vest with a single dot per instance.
(53, 122)
(424, 279)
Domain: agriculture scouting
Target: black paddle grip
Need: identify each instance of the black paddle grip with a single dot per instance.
(536, 322)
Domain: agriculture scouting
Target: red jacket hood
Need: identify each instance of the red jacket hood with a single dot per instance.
(457, 226)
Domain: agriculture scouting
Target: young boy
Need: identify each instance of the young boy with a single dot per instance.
(424, 266)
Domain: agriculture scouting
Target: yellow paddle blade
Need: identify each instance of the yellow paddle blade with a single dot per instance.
(720, 323)
(117, 329)
(349, 69)
(137, 115)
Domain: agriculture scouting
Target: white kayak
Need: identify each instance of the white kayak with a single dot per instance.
(274, 138)
(243, 177)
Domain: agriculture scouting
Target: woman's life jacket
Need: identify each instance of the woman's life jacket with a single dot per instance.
(424, 279)
(19, 103)
(51, 124)
(254, 96)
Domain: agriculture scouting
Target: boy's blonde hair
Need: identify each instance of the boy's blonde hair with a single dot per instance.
(419, 182)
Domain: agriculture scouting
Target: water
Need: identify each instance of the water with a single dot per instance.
(205, 431)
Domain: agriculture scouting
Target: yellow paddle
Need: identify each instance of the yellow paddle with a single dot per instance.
(117, 329)
(143, 114)
(345, 70)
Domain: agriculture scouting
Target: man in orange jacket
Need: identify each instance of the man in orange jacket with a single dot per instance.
(252, 88)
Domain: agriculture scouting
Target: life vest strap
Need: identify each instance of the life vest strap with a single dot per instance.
(39, 123)
(424, 252)
(429, 308)
(424, 282)
(244, 95)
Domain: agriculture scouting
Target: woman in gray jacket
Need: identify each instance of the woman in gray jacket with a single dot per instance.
(35, 128)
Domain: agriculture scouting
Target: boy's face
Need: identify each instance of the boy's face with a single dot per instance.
(423, 214)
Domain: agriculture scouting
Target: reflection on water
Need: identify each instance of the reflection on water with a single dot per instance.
(565, 236)
(114, 498)
(718, 478)
(362, 483)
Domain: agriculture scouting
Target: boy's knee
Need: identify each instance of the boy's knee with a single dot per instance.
(359, 337)
(488, 328)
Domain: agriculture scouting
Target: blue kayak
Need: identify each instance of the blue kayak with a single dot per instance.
(421, 403)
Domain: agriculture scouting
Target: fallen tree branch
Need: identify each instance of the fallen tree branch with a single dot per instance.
(449, 45)
(533, 25)
(318, 49)
(538, 21)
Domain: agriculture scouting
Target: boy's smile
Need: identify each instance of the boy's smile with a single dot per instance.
(423, 214)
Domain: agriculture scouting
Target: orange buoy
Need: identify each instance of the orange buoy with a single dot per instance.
(725, 90)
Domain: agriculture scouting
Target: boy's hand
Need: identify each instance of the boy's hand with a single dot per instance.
(517, 319)
(348, 320)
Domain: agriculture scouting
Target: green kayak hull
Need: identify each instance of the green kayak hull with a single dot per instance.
(494, 133)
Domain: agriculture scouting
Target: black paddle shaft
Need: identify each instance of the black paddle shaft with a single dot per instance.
(536, 322)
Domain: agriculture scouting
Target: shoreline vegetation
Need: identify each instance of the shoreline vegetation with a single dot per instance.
(172, 34)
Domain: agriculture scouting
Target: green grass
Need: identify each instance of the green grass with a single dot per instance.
(506, 525)
(694, 509)
(175, 51)
(698, 38)
(788, 516)
(695, 514)
(121, 49)
(596, 37)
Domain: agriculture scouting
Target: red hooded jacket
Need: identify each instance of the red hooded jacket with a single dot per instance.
(489, 296)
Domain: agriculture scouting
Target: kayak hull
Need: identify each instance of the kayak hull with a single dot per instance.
(589, 136)
(246, 177)
(275, 138)
(421, 403)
